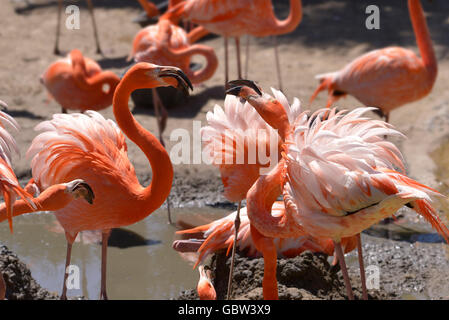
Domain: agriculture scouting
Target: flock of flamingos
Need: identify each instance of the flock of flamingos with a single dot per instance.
(337, 173)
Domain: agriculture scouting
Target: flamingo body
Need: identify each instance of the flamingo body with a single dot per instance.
(61, 81)
(220, 233)
(94, 149)
(233, 18)
(167, 44)
(387, 78)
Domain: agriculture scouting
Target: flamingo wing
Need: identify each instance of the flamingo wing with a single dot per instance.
(234, 138)
(339, 177)
(9, 185)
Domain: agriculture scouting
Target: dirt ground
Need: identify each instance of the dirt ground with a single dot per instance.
(331, 34)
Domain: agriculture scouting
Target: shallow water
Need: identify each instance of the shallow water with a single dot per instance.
(147, 268)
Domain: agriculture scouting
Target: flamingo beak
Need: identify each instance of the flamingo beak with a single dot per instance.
(183, 81)
(81, 189)
(234, 87)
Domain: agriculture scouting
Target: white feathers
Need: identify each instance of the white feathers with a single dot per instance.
(7, 143)
(67, 139)
(334, 157)
(240, 123)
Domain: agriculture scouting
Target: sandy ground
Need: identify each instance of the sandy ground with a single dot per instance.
(331, 34)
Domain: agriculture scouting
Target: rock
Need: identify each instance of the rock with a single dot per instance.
(20, 285)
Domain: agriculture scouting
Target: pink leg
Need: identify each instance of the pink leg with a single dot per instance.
(91, 10)
(239, 63)
(68, 256)
(247, 57)
(226, 61)
(344, 270)
(278, 65)
(58, 29)
(231, 269)
(104, 248)
(362, 267)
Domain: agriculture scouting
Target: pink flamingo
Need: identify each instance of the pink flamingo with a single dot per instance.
(234, 18)
(79, 83)
(205, 288)
(89, 147)
(387, 78)
(167, 44)
(231, 139)
(336, 176)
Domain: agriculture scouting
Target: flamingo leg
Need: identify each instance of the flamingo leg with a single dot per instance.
(58, 29)
(268, 249)
(239, 63)
(104, 248)
(226, 60)
(91, 11)
(387, 117)
(278, 64)
(231, 269)
(247, 57)
(2, 287)
(161, 119)
(362, 268)
(344, 270)
(67, 263)
(63, 110)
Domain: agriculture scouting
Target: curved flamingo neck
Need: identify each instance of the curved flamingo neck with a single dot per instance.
(270, 110)
(155, 194)
(292, 21)
(260, 200)
(95, 82)
(205, 73)
(51, 199)
(423, 36)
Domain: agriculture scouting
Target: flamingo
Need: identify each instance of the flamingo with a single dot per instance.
(89, 147)
(234, 18)
(205, 288)
(9, 185)
(231, 139)
(167, 44)
(58, 27)
(337, 178)
(219, 235)
(78, 83)
(390, 77)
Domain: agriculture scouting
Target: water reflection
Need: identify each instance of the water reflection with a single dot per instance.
(141, 262)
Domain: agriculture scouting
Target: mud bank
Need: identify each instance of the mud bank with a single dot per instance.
(406, 271)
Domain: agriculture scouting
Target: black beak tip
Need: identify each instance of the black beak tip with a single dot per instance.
(235, 91)
(244, 83)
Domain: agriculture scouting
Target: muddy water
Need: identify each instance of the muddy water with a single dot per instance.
(141, 262)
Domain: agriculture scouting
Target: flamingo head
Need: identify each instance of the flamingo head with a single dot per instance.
(205, 289)
(146, 75)
(271, 110)
(79, 189)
